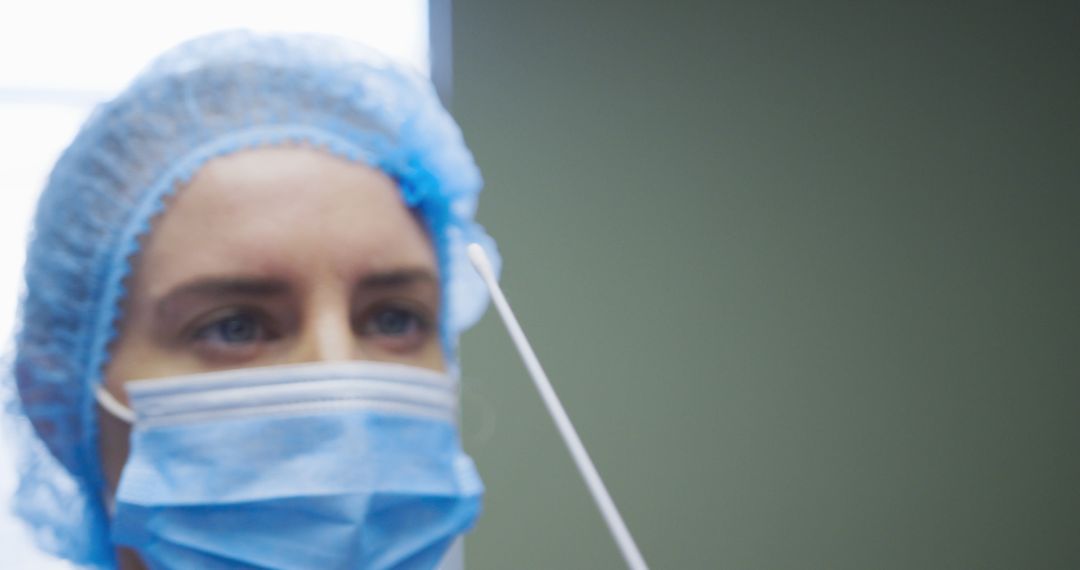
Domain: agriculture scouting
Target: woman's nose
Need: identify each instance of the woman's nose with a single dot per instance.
(327, 336)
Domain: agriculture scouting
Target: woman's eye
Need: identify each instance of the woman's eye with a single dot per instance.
(394, 322)
(233, 329)
(233, 337)
(396, 328)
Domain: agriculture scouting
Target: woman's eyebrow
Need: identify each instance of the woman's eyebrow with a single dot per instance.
(398, 278)
(213, 287)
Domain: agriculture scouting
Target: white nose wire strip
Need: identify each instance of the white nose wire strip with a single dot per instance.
(614, 521)
(113, 406)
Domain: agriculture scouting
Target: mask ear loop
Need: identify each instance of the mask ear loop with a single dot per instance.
(113, 406)
(120, 412)
(599, 492)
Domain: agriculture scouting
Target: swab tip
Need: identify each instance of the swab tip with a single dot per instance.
(478, 257)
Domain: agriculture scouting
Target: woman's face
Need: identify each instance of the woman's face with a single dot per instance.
(276, 256)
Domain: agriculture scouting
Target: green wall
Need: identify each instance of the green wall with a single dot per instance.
(805, 276)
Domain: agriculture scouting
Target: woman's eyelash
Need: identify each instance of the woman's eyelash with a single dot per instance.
(235, 328)
(392, 320)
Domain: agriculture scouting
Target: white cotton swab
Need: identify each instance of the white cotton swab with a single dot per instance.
(614, 521)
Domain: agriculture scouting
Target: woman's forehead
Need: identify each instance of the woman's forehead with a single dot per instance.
(284, 212)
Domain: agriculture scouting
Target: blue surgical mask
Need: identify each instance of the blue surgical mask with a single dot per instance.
(323, 465)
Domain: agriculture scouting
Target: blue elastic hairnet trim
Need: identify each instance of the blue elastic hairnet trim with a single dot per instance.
(209, 97)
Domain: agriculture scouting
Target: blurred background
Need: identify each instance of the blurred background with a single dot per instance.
(804, 274)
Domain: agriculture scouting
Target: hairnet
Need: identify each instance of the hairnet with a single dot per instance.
(208, 97)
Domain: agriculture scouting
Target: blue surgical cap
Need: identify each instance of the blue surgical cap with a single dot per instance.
(208, 97)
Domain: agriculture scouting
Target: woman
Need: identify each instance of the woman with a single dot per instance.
(245, 284)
